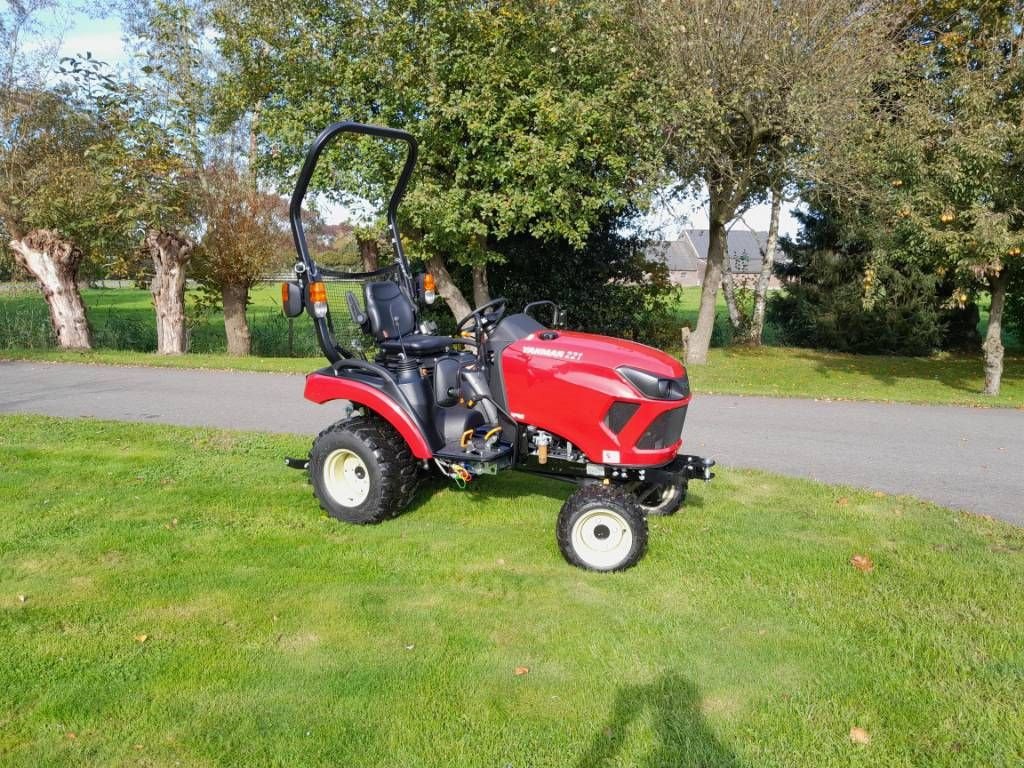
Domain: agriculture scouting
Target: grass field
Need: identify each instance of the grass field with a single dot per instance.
(173, 597)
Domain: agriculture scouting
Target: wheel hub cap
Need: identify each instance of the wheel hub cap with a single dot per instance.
(346, 478)
(602, 538)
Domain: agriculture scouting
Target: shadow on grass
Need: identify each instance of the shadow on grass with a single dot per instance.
(962, 373)
(511, 485)
(508, 485)
(682, 739)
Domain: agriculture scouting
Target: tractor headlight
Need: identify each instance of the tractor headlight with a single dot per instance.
(656, 387)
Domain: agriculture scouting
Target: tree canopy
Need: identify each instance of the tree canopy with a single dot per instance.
(533, 118)
(947, 153)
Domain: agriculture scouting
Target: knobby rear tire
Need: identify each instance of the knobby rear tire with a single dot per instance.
(386, 460)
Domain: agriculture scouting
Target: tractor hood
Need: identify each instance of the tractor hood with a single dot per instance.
(567, 383)
(598, 351)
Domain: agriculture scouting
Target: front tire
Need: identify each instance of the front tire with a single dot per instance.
(362, 471)
(601, 528)
(662, 500)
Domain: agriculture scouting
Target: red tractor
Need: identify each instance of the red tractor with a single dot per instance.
(503, 392)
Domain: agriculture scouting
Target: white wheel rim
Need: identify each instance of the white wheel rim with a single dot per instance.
(602, 538)
(346, 478)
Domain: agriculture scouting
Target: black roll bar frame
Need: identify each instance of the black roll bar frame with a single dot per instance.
(309, 271)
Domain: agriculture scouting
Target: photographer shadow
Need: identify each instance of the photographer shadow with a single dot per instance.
(682, 739)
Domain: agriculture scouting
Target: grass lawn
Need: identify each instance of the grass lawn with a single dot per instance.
(174, 597)
(789, 372)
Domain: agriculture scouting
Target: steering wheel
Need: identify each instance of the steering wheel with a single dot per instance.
(484, 316)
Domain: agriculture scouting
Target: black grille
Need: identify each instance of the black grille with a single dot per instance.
(664, 430)
(619, 414)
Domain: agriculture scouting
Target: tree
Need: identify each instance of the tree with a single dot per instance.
(53, 195)
(532, 118)
(145, 161)
(844, 295)
(756, 93)
(949, 154)
(747, 317)
(245, 235)
(174, 94)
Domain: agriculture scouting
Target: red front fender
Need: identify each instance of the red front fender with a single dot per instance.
(321, 389)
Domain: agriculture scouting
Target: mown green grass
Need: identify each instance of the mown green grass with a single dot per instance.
(220, 362)
(274, 636)
(951, 379)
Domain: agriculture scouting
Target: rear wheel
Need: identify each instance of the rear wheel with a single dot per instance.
(362, 471)
(601, 528)
(661, 499)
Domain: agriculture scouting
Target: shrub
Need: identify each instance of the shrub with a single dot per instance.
(115, 329)
(835, 304)
(25, 322)
(606, 287)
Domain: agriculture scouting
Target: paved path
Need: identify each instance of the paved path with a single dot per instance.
(961, 457)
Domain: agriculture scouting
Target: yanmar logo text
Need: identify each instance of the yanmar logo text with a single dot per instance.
(558, 354)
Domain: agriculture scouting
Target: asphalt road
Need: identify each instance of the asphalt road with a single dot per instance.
(966, 458)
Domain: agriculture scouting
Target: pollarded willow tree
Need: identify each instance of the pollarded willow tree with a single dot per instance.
(948, 153)
(145, 164)
(533, 118)
(170, 100)
(52, 201)
(757, 92)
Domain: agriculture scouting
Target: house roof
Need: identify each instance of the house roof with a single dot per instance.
(678, 255)
(682, 255)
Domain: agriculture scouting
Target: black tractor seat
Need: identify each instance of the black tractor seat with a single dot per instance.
(391, 316)
(418, 344)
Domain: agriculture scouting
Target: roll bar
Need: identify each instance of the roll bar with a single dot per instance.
(306, 174)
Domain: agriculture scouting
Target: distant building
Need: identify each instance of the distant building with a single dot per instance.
(687, 257)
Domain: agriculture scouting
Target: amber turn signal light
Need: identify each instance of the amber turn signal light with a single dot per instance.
(318, 292)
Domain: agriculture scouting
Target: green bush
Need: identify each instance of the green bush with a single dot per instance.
(25, 323)
(1014, 313)
(114, 329)
(606, 287)
(829, 307)
(269, 333)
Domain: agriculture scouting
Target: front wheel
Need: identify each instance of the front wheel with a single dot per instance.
(662, 499)
(362, 471)
(601, 528)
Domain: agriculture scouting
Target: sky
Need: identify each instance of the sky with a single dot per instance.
(102, 38)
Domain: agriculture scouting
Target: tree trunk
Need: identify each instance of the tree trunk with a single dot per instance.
(448, 290)
(54, 262)
(254, 147)
(170, 253)
(729, 289)
(369, 252)
(700, 339)
(993, 346)
(481, 290)
(767, 265)
(235, 297)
